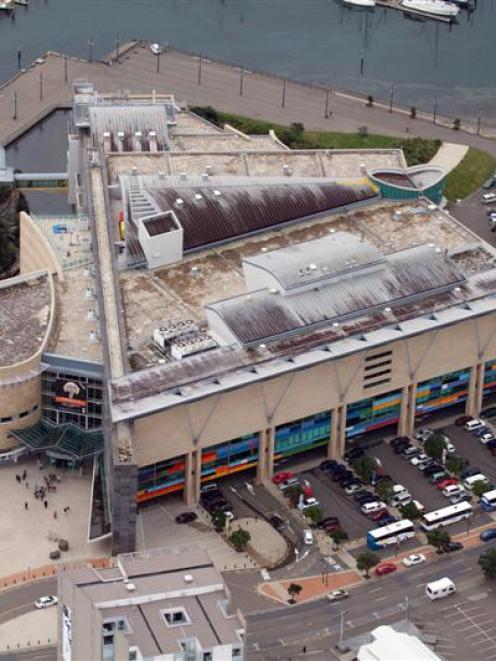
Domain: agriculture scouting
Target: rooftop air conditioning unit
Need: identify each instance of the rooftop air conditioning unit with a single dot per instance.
(134, 170)
(161, 175)
(188, 578)
(286, 169)
(179, 201)
(217, 193)
(183, 176)
(205, 176)
(130, 587)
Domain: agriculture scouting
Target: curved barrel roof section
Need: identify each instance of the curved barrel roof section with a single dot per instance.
(211, 214)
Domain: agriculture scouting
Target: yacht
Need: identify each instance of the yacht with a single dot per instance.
(7, 5)
(433, 7)
(360, 3)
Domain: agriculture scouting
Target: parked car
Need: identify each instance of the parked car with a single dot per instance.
(327, 464)
(415, 461)
(448, 482)
(46, 602)
(339, 475)
(414, 559)
(206, 488)
(473, 424)
(469, 482)
(450, 547)
(338, 595)
(488, 534)
(433, 468)
(480, 431)
(277, 522)
(450, 448)
(365, 497)
(400, 448)
(386, 521)
(423, 434)
(438, 477)
(385, 568)
(486, 437)
(331, 527)
(410, 452)
(426, 463)
(186, 517)
(353, 453)
(489, 183)
(307, 537)
(379, 515)
(282, 476)
(462, 420)
(289, 482)
(461, 498)
(491, 411)
(352, 488)
(399, 440)
(468, 472)
(306, 503)
(307, 489)
(328, 520)
(419, 506)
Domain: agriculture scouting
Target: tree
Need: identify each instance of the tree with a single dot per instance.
(314, 513)
(370, 101)
(240, 538)
(208, 113)
(435, 446)
(438, 538)
(410, 511)
(413, 112)
(293, 493)
(363, 131)
(339, 536)
(293, 591)
(366, 560)
(487, 562)
(384, 490)
(457, 123)
(219, 519)
(456, 464)
(479, 487)
(365, 468)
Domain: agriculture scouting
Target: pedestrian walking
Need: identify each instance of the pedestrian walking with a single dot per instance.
(54, 514)
(46, 504)
(18, 478)
(27, 485)
(24, 474)
(26, 505)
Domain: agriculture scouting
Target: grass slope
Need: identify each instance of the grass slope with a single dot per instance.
(470, 174)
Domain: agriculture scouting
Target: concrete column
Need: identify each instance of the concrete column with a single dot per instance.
(197, 457)
(271, 435)
(403, 421)
(189, 488)
(332, 446)
(340, 439)
(475, 390)
(412, 401)
(262, 456)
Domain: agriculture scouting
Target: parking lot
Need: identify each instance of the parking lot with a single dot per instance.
(475, 624)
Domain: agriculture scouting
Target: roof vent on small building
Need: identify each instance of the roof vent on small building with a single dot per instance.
(188, 578)
(93, 336)
(209, 169)
(205, 176)
(198, 196)
(286, 170)
(130, 587)
(363, 168)
(273, 290)
(179, 201)
(217, 193)
(183, 176)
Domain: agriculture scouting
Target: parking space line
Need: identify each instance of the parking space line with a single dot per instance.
(380, 598)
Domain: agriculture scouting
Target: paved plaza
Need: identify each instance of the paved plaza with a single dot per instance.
(24, 540)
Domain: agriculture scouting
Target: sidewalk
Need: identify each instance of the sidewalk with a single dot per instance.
(32, 630)
(449, 155)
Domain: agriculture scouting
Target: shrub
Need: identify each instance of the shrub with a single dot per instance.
(410, 511)
(384, 490)
(456, 464)
(314, 513)
(435, 446)
(457, 123)
(479, 487)
(438, 538)
(339, 536)
(363, 131)
(365, 468)
(487, 563)
(293, 493)
(240, 538)
(370, 101)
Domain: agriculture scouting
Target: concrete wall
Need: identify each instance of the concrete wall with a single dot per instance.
(259, 406)
(36, 253)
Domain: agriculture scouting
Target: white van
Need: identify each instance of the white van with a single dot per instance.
(472, 425)
(488, 198)
(308, 537)
(470, 481)
(369, 508)
(439, 589)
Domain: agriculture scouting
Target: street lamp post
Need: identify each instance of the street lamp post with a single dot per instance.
(19, 57)
(117, 48)
(90, 45)
(479, 123)
(326, 113)
(241, 76)
(15, 105)
(65, 68)
(391, 98)
(41, 86)
(435, 110)
(283, 103)
(200, 70)
(158, 62)
(341, 625)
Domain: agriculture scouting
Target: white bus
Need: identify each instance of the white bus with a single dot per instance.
(488, 501)
(446, 516)
(396, 532)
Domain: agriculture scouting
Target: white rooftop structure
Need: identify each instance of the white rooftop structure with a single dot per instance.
(391, 645)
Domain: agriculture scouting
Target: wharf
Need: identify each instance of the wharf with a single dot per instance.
(415, 13)
(46, 85)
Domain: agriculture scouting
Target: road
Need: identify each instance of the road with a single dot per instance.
(278, 633)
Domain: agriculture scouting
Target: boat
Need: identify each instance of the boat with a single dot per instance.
(432, 7)
(8, 5)
(24, 3)
(360, 3)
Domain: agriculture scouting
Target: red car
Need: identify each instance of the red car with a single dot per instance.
(385, 568)
(451, 481)
(375, 516)
(462, 420)
(282, 476)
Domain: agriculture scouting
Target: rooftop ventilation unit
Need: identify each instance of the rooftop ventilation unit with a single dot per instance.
(138, 141)
(152, 141)
(88, 273)
(134, 170)
(363, 168)
(286, 170)
(195, 272)
(130, 587)
(93, 336)
(198, 196)
(209, 169)
(120, 140)
(107, 141)
(89, 292)
(205, 176)
(161, 175)
(183, 176)
(188, 578)
(217, 193)
(92, 315)
(179, 201)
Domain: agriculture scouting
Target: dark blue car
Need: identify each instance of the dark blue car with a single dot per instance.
(487, 535)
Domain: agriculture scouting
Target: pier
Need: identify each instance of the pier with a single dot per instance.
(46, 85)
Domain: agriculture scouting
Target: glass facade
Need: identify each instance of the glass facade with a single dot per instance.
(303, 434)
(86, 414)
(231, 457)
(161, 478)
(489, 378)
(442, 391)
(391, 192)
(373, 413)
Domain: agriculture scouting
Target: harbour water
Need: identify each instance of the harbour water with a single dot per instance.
(310, 40)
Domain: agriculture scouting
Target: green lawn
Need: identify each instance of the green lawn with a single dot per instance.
(471, 173)
(416, 150)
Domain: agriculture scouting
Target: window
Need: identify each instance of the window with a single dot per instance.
(207, 656)
(133, 655)
(237, 653)
(368, 359)
(175, 618)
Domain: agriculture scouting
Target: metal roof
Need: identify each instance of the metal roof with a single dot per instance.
(129, 119)
(414, 273)
(317, 260)
(213, 213)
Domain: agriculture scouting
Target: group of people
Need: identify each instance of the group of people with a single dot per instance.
(40, 492)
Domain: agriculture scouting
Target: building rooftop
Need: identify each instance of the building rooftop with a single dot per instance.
(144, 586)
(26, 311)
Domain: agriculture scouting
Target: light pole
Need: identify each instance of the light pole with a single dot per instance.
(65, 68)
(200, 70)
(326, 112)
(435, 110)
(41, 86)
(19, 57)
(391, 98)
(90, 45)
(15, 105)
(479, 123)
(158, 60)
(241, 75)
(283, 103)
(407, 607)
(117, 47)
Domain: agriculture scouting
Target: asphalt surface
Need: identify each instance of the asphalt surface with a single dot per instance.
(281, 633)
